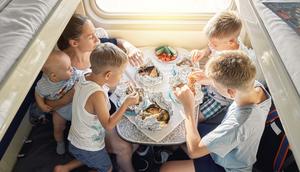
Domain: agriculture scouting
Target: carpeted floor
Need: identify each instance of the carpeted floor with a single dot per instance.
(40, 155)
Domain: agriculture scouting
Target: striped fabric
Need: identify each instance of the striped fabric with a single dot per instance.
(210, 106)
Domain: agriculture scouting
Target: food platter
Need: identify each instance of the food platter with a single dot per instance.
(180, 80)
(149, 75)
(156, 115)
(123, 90)
(152, 127)
(181, 76)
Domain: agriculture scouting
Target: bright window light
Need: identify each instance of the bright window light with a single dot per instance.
(162, 6)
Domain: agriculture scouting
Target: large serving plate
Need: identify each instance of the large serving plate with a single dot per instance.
(151, 122)
(154, 117)
(158, 134)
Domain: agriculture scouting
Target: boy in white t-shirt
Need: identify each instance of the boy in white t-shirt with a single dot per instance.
(91, 106)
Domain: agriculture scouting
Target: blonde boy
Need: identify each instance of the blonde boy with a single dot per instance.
(223, 32)
(232, 146)
(91, 106)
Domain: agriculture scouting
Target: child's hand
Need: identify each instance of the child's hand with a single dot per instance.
(200, 77)
(45, 108)
(132, 99)
(197, 55)
(186, 97)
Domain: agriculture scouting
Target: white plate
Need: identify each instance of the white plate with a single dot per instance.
(181, 53)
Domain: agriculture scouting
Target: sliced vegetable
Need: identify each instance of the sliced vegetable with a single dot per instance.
(165, 53)
(160, 50)
(167, 50)
(163, 46)
(172, 50)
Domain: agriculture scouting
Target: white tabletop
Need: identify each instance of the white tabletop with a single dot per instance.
(174, 133)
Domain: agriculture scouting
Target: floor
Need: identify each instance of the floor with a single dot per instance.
(40, 155)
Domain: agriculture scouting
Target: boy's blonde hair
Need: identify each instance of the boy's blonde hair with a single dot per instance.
(223, 25)
(232, 69)
(107, 55)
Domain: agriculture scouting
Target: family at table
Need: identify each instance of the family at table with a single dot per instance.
(121, 99)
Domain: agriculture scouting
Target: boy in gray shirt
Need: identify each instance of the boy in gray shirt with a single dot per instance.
(58, 78)
(233, 145)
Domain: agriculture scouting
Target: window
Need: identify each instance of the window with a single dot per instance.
(162, 6)
(154, 14)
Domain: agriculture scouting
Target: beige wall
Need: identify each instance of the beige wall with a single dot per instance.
(141, 38)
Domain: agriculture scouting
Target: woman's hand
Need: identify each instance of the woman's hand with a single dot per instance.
(186, 97)
(135, 56)
(45, 108)
(69, 95)
(64, 100)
